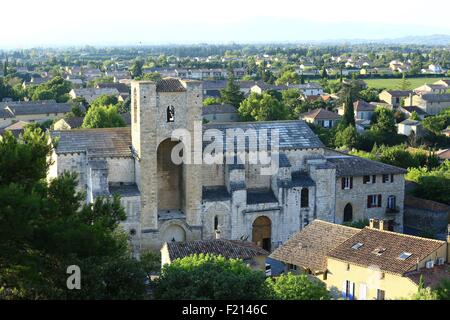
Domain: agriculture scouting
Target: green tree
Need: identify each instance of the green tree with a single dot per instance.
(204, 277)
(296, 287)
(103, 117)
(47, 226)
(136, 68)
(262, 107)
(415, 116)
(231, 94)
(404, 83)
(210, 100)
(347, 137)
(104, 100)
(288, 77)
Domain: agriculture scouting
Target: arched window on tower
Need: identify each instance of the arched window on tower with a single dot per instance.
(216, 223)
(170, 114)
(304, 201)
(134, 105)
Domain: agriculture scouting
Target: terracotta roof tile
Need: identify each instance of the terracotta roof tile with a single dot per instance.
(393, 244)
(309, 247)
(230, 249)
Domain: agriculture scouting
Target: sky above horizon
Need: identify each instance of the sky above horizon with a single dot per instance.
(133, 22)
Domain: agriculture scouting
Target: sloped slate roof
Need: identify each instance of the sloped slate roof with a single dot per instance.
(230, 249)
(431, 97)
(361, 105)
(399, 93)
(393, 243)
(106, 142)
(40, 108)
(309, 247)
(292, 134)
(356, 166)
(320, 113)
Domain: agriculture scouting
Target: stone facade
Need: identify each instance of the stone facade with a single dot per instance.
(170, 202)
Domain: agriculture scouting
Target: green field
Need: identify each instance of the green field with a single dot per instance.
(394, 83)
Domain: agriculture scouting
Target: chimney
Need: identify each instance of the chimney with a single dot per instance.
(411, 99)
(217, 234)
(372, 223)
(383, 225)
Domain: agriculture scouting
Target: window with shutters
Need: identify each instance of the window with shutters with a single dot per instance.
(369, 179)
(380, 294)
(391, 202)
(374, 201)
(347, 183)
(388, 178)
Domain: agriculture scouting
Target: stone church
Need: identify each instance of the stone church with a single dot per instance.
(167, 202)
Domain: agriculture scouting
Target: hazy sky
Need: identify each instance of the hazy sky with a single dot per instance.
(50, 22)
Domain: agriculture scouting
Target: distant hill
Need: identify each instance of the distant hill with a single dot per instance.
(431, 40)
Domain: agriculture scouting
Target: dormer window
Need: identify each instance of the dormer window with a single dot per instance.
(358, 245)
(170, 114)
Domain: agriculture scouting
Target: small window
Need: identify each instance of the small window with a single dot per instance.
(374, 201)
(391, 202)
(405, 255)
(347, 183)
(369, 179)
(358, 245)
(348, 267)
(304, 203)
(216, 223)
(170, 114)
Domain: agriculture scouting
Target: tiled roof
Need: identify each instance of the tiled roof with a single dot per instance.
(391, 244)
(218, 109)
(15, 108)
(355, 166)
(121, 87)
(435, 97)
(292, 134)
(106, 142)
(432, 277)
(309, 247)
(418, 110)
(320, 114)
(169, 85)
(230, 249)
(74, 122)
(361, 105)
(399, 93)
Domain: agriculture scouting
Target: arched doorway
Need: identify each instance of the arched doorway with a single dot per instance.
(262, 232)
(348, 213)
(174, 233)
(170, 178)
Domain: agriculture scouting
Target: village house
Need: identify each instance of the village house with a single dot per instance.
(31, 111)
(408, 126)
(250, 253)
(394, 97)
(431, 103)
(409, 110)
(365, 264)
(363, 110)
(430, 88)
(166, 201)
(90, 94)
(16, 128)
(321, 117)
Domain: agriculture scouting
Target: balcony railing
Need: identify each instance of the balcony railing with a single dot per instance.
(393, 210)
